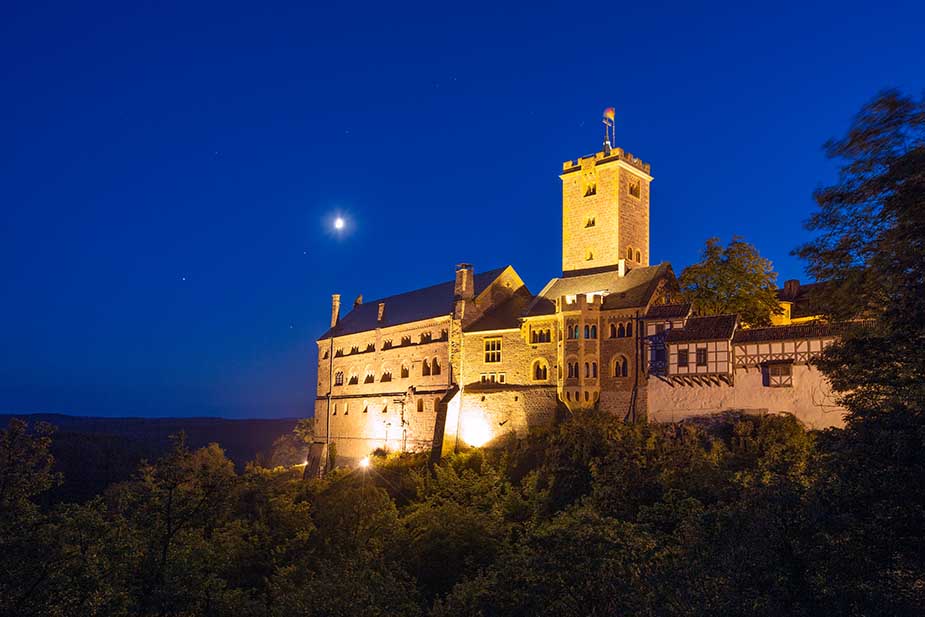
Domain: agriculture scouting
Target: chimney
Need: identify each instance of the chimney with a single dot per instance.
(335, 309)
(621, 268)
(381, 311)
(358, 301)
(464, 290)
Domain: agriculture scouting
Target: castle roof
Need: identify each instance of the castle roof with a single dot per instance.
(633, 289)
(711, 328)
(417, 305)
(815, 329)
(505, 316)
(668, 311)
(807, 299)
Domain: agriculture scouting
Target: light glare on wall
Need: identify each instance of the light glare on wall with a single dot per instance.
(475, 431)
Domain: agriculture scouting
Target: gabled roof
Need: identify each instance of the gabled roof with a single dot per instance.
(407, 307)
(634, 289)
(711, 328)
(816, 329)
(668, 311)
(504, 316)
(808, 299)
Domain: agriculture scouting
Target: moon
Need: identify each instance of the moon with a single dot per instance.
(338, 223)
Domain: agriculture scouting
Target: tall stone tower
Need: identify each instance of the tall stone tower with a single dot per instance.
(605, 211)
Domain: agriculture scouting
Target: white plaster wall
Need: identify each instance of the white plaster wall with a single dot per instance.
(810, 399)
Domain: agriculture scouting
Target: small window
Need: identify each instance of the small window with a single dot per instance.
(620, 367)
(425, 368)
(435, 367)
(354, 379)
(386, 376)
(540, 371)
(387, 343)
(426, 337)
(339, 378)
(405, 340)
(587, 370)
(780, 375)
(371, 347)
(634, 189)
(629, 328)
(404, 372)
(701, 356)
(339, 353)
(613, 330)
(500, 377)
(568, 395)
(589, 256)
(682, 357)
(346, 408)
(621, 331)
(444, 334)
(594, 370)
(591, 189)
(638, 256)
(334, 412)
(492, 350)
(590, 222)
(355, 349)
(420, 405)
(587, 396)
(385, 408)
(325, 356)
(594, 331)
(370, 378)
(629, 254)
(365, 406)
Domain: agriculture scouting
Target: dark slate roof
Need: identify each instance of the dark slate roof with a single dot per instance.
(504, 316)
(634, 289)
(407, 307)
(712, 328)
(815, 329)
(807, 299)
(668, 311)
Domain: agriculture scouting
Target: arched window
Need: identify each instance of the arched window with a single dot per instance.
(339, 378)
(540, 371)
(621, 331)
(593, 331)
(587, 370)
(420, 404)
(587, 396)
(425, 368)
(435, 367)
(629, 328)
(613, 330)
(587, 331)
(386, 375)
(568, 395)
(638, 256)
(629, 253)
(620, 367)
(594, 369)
(354, 379)
(404, 372)
(370, 378)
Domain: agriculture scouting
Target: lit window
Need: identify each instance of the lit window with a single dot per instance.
(682, 357)
(492, 350)
(701, 356)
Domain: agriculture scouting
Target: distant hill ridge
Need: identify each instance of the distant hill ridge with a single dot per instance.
(93, 452)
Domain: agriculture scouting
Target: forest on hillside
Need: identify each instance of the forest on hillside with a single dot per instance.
(741, 515)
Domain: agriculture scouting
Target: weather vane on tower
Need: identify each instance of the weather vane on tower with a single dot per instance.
(609, 136)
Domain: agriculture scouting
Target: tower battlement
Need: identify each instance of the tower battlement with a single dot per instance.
(601, 158)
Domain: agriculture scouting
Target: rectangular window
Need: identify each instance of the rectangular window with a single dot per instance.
(492, 350)
(659, 328)
(780, 375)
(682, 357)
(701, 356)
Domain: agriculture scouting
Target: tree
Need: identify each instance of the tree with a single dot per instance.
(869, 250)
(734, 279)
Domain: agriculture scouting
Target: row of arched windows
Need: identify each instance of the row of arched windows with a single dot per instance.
(573, 331)
(620, 368)
(428, 368)
(633, 255)
(621, 330)
(541, 336)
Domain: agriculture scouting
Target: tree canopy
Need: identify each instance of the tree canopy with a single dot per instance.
(732, 279)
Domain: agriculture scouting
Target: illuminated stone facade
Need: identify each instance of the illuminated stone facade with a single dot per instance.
(480, 357)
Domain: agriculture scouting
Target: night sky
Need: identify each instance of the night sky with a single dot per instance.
(169, 173)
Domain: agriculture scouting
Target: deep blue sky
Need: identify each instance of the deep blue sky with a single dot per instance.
(168, 171)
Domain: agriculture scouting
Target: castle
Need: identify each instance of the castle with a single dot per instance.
(480, 357)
